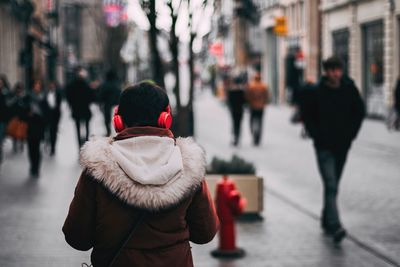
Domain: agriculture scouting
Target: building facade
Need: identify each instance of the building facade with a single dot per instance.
(23, 42)
(302, 40)
(11, 44)
(365, 34)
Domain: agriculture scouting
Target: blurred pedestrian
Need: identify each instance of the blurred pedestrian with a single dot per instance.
(53, 114)
(294, 79)
(236, 100)
(397, 104)
(305, 94)
(4, 88)
(333, 117)
(257, 97)
(80, 96)
(141, 197)
(18, 106)
(108, 97)
(36, 123)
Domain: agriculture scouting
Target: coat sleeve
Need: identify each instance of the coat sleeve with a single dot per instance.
(201, 216)
(79, 226)
(308, 110)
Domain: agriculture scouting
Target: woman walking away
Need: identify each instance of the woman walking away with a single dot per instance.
(36, 125)
(142, 196)
(257, 98)
(397, 104)
(18, 105)
(108, 97)
(53, 114)
(4, 87)
(236, 101)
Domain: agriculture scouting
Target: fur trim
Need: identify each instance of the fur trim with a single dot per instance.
(96, 158)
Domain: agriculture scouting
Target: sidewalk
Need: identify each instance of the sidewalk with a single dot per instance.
(369, 198)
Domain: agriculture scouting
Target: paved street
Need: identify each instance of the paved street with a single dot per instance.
(32, 211)
(369, 198)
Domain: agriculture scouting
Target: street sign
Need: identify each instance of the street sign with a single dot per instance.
(280, 27)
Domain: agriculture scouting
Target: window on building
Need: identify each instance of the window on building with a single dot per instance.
(340, 46)
(373, 53)
(373, 68)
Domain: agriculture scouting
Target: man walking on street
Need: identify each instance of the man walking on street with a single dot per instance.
(257, 98)
(79, 96)
(108, 97)
(333, 115)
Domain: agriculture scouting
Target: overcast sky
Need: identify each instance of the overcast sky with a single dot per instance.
(202, 20)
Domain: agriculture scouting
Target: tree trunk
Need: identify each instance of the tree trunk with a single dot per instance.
(156, 62)
(183, 122)
(191, 84)
(174, 48)
(114, 42)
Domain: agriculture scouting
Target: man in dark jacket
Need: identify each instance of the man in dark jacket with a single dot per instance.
(108, 97)
(397, 104)
(3, 112)
(53, 114)
(79, 96)
(333, 114)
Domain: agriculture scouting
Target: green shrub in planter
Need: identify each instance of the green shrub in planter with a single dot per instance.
(236, 165)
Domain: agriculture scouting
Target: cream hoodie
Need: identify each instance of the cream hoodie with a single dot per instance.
(149, 160)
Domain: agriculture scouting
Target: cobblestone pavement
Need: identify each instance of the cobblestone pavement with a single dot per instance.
(32, 211)
(369, 199)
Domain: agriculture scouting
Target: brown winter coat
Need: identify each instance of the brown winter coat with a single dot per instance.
(107, 203)
(257, 94)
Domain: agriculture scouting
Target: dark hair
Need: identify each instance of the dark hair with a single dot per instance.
(111, 75)
(332, 63)
(142, 104)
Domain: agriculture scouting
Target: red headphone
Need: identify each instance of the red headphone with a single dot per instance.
(164, 120)
(117, 120)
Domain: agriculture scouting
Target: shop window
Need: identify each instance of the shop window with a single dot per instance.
(340, 46)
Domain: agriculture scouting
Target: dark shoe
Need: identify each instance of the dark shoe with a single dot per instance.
(339, 235)
(235, 142)
(34, 174)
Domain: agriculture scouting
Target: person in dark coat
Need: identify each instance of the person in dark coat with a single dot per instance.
(4, 111)
(18, 107)
(397, 104)
(108, 97)
(333, 115)
(80, 96)
(144, 176)
(53, 114)
(257, 98)
(236, 100)
(36, 123)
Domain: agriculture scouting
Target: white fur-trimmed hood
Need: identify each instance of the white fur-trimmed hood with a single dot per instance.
(99, 159)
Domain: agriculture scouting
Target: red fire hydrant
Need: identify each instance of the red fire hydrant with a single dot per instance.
(229, 204)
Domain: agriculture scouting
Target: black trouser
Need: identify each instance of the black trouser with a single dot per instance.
(34, 155)
(78, 130)
(52, 129)
(331, 168)
(236, 100)
(237, 120)
(107, 118)
(256, 124)
(2, 135)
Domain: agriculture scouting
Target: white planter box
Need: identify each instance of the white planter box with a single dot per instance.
(251, 187)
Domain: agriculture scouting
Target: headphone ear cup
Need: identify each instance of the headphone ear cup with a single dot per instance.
(165, 120)
(117, 121)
